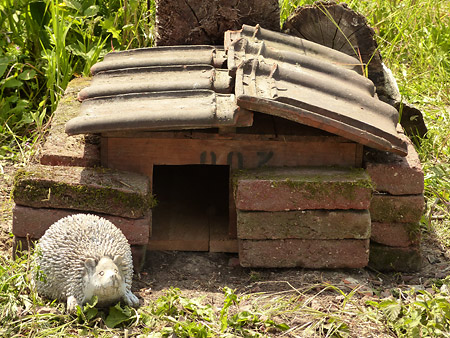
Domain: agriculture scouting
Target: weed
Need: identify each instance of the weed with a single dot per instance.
(43, 45)
(23, 312)
(416, 313)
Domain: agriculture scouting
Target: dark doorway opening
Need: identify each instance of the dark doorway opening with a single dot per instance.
(193, 207)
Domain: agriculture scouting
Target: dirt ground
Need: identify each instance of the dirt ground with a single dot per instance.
(206, 274)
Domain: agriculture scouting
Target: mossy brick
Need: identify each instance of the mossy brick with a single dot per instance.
(106, 191)
(395, 234)
(21, 245)
(386, 208)
(395, 174)
(306, 253)
(305, 224)
(282, 189)
(62, 149)
(400, 259)
(33, 222)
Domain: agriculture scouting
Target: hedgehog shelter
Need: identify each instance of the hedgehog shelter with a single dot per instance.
(269, 145)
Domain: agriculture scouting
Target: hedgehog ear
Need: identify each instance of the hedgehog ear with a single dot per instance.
(90, 264)
(118, 260)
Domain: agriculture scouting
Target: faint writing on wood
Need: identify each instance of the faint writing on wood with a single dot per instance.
(236, 157)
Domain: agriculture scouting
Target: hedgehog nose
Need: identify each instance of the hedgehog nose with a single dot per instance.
(112, 278)
(115, 280)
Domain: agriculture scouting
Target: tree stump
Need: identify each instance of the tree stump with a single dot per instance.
(190, 22)
(339, 27)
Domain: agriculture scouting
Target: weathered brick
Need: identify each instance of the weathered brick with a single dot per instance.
(389, 258)
(347, 253)
(282, 189)
(21, 245)
(106, 191)
(396, 209)
(62, 149)
(395, 234)
(305, 224)
(395, 174)
(35, 221)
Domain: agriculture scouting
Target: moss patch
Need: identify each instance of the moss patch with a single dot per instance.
(391, 209)
(88, 189)
(312, 182)
(387, 258)
(62, 149)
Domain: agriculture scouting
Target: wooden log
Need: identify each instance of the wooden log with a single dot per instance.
(191, 22)
(339, 27)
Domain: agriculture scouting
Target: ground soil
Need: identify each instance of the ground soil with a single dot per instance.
(206, 274)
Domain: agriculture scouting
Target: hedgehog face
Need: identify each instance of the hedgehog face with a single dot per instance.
(104, 280)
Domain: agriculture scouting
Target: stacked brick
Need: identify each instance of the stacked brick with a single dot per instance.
(66, 183)
(303, 217)
(286, 217)
(396, 209)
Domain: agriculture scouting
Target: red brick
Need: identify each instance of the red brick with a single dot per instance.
(34, 222)
(306, 224)
(394, 174)
(282, 189)
(62, 149)
(395, 234)
(21, 245)
(316, 254)
(101, 190)
(396, 209)
(389, 258)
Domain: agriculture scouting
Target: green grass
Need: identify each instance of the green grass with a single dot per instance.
(290, 312)
(414, 41)
(44, 44)
(24, 313)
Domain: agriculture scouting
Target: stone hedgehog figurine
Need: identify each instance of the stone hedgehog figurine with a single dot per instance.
(82, 256)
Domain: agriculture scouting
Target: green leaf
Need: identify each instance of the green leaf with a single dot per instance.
(4, 61)
(392, 312)
(110, 27)
(282, 326)
(74, 4)
(20, 107)
(27, 75)
(2, 69)
(117, 315)
(76, 49)
(39, 13)
(91, 313)
(12, 83)
(91, 11)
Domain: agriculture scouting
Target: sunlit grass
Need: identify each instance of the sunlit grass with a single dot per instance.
(45, 43)
(414, 41)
